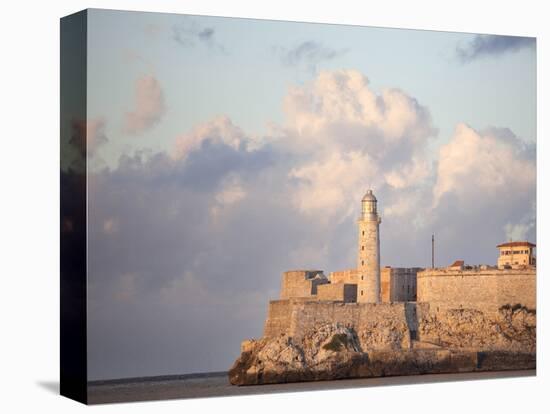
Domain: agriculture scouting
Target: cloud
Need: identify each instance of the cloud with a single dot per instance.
(343, 99)
(308, 54)
(492, 45)
(524, 227)
(149, 106)
(356, 139)
(189, 33)
(187, 273)
(187, 247)
(232, 192)
(88, 136)
(327, 186)
(484, 188)
(478, 165)
(219, 130)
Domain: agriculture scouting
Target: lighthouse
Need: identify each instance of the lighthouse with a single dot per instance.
(368, 259)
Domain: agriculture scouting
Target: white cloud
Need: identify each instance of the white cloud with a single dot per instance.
(232, 192)
(339, 109)
(332, 186)
(475, 166)
(149, 106)
(520, 230)
(219, 130)
(353, 139)
(405, 204)
(409, 174)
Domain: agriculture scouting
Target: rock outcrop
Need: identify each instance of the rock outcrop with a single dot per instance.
(451, 340)
(511, 328)
(329, 352)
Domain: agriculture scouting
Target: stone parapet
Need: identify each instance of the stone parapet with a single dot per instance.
(301, 283)
(344, 276)
(476, 287)
(339, 292)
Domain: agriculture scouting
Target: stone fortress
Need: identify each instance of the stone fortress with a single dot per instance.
(373, 321)
(365, 284)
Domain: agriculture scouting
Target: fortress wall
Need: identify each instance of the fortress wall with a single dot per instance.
(475, 325)
(398, 284)
(278, 318)
(385, 284)
(477, 288)
(297, 316)
(403, 284)
(342, 292)
(300, 283)
(363, 318)
(520, 288)
(393, 326)
(344, 276)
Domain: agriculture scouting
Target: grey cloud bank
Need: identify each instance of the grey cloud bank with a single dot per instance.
(492, 45)
(308, 54)
(189, 33)
(187, 247)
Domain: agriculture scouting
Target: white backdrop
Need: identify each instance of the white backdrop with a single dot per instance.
(29, 263)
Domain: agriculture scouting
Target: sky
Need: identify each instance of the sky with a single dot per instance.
(222, 152)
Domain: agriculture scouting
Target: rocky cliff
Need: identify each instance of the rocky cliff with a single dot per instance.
(512, 328)
(428, 340)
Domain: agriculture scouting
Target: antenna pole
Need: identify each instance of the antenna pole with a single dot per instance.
(433, 243)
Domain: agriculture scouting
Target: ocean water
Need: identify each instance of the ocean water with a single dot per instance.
(216, 384)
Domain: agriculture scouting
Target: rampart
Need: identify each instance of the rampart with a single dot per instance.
(406, 325)
(343, 292)
(476, 288)
(301, 283)
(378, 325)
(398, 284)
(344, 276)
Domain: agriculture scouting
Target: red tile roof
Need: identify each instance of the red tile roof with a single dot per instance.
(517, 244)
(457, 263)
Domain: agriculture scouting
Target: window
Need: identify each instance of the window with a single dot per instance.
(361, 277)
(362, 247)
(361, 293)
(363, 233)
(362, 262)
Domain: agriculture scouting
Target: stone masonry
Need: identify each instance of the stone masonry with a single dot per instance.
(478, 288)
(301, 283)
(398, 284)
(344, 276)
(345, 292)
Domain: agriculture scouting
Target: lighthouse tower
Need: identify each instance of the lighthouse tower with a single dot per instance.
(368, 259)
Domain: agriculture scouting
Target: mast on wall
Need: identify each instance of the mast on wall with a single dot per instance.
(433, 248)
